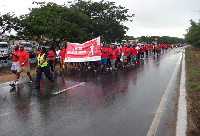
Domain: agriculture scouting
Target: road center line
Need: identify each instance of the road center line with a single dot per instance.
(72, 87)
(156, 120)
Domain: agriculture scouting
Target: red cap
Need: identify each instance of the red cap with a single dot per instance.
(17, 45)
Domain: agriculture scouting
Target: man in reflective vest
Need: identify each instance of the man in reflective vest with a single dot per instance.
(42, 67)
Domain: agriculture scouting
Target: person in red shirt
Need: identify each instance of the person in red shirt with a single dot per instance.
(104, 57)
(51, 59)
(123, 56)
(23, 66)
(142, 50)
(157, 49)
(163, 47)
(117, 56)
(166, 47)
(150, 48)
(128, 51)
(147, 50)
(62, 58)
(113, 57)
(133, 54)
(38, 52)
(15, 62)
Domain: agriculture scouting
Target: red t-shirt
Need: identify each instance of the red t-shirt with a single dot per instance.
(23, 55)
(142, 49)
(104, 54)
(117, 52)
(128, 50)
(123, 51)
(133, 52)
(51, 53)
(13, 56)
(38, 53)
(157, 48)
(146, 47)
(112, 55)
(62, 53)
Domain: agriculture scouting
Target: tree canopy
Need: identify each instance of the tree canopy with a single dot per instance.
(8, 22)
(56, 22)
(193, 34)
(161, 40)
(107, 19)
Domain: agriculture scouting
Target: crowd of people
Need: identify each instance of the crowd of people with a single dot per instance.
(113, 57)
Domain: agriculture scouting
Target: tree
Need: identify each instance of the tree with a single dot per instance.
(161, 40)
(107, 19)
(193, 34)
(8, 22)
(55, 22)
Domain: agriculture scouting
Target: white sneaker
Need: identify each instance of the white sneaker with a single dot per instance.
(16, 83)
(31, 82)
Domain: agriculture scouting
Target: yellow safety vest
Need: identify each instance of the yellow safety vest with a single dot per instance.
(40, 59)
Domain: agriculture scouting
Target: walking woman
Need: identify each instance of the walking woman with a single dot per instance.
(42, 67)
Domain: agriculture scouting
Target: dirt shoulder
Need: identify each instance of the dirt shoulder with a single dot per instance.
(193, 90)
(6, 75)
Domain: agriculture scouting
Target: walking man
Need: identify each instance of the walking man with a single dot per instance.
(24, 65)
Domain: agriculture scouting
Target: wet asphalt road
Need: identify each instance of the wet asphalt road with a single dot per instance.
(121, 103)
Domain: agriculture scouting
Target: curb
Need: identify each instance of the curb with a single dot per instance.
(181, 125)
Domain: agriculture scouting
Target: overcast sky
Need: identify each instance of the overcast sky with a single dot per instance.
(152, 17)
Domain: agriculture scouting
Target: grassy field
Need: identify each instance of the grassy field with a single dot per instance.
(193, 90)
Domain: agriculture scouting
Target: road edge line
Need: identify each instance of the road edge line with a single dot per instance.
(181, 124)
(153, 128)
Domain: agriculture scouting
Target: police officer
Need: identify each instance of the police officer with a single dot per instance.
(42, 67)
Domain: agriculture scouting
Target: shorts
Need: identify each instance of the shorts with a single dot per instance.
(104, 61)
(133, 58)
(124, 59)
(23, 69)
(14, 66)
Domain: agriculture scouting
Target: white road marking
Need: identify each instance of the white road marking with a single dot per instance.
(156, 120)
(61, 91)
(181, 125)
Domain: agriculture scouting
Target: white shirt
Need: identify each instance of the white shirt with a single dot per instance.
(57, 54)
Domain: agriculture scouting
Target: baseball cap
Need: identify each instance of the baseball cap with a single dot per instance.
(17, 45)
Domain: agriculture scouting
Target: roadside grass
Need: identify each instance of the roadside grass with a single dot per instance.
(193, 89)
